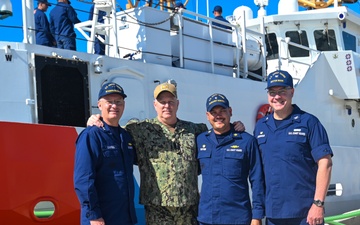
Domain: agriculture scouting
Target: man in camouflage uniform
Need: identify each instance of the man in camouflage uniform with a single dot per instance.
(167, 161)
(166, 152)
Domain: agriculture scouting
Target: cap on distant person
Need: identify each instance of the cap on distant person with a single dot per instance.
(165, 87)
(279, 78)
(217, 100)
(44, 2)
(111, 88)
(217, 9)
(180, 5)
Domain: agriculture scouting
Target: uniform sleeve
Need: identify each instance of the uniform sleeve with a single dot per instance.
(91, 13)
(86, 157)
(72, 15)
(319, 141)
(42, 22)
(52, 26)
(133, 129)
(256, 178)
(200, 128)
(46, 27)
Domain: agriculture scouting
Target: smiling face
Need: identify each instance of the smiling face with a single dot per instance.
(112, 107)
(280, 99)
(166, 106)
(219, 118)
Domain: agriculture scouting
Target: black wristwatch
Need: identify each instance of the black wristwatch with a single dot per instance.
(318, 203)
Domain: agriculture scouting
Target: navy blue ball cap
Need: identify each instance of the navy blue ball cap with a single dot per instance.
(44, 2)
(180, 5)
(111, 88)
(279, 78)
(217, 9)
(217, 100)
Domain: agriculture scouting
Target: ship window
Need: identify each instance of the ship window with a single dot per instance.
(298, 38)
(272, 47)
(349, 41)
(325, 40)
(62, 91)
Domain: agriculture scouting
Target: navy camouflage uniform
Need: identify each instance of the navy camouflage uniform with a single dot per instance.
(168, 169)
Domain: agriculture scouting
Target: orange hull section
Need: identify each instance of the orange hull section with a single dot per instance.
(36, 164)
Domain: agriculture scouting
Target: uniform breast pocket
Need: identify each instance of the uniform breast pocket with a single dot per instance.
(261, 141)
(204, 158)
(111, 157)
(296, 138)
(296, 144)
(233, 163)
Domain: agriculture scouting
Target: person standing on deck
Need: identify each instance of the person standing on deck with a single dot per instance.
(296, 155)
(104, 158)
(42, 27)
(228, 160)
(62, 20)
(99, 47)
(218, 15)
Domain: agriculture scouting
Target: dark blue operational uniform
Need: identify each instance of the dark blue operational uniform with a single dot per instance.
(290, 153)
(99, 47)
(220, 25)
(62, 20)
(42, 29)
(226, 168)
(103, 175)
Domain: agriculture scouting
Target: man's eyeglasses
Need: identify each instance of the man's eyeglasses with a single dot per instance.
(117, 103)
(280, 92)
(170, 103)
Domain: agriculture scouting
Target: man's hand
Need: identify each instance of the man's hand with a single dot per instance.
(99, 221)
(315, 215)
(94, 120)
(256, 222)
(239, 126)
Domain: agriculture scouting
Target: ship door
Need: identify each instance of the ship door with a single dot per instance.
(62, 91)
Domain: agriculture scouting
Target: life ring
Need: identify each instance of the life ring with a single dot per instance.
(263, 111)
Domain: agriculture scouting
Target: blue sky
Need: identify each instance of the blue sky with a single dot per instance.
(11, 28)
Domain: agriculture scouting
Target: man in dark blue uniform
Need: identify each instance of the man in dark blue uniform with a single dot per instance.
(42, 28)
(62, 20)
(217, 13)
(228, 159)
(99, 47)
(103, 173)
(296, 155)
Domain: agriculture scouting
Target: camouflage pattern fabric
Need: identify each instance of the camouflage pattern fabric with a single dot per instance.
(160, 215)
(167, 162)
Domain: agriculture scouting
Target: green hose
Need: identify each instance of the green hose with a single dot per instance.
(332, 219)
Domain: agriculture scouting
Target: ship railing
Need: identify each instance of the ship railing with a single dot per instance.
(284, 55)
(241, 33)
(336, 220)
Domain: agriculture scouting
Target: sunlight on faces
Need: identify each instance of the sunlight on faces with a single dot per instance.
(112, 107)
(280, 97)
(166, 106)
(219, 118)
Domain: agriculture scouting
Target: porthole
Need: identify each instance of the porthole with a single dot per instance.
(44, 209)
